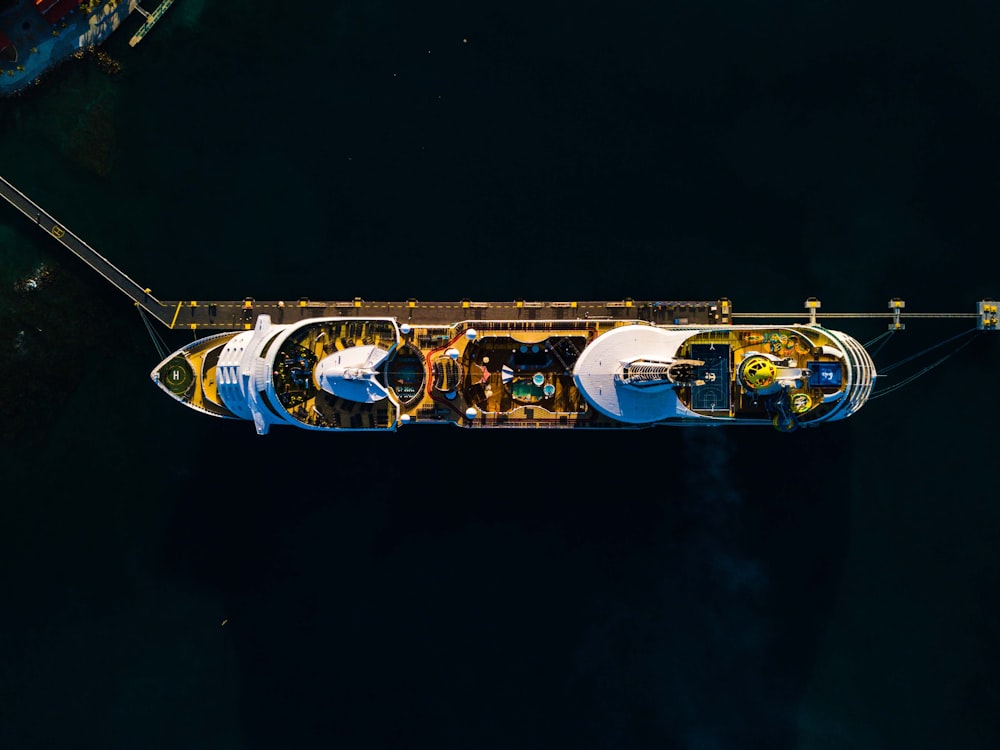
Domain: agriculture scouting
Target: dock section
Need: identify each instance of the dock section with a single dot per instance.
(48, 223)
(229, 315)
(151, 18)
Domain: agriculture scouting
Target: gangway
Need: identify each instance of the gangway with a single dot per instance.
(151, 18)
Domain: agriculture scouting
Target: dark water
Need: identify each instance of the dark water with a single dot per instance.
(726, 589)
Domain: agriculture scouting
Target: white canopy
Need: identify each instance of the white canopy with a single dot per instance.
(352, 374)
(596, 374)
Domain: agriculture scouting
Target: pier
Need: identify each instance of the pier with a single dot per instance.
(151, 18)
(228, 315)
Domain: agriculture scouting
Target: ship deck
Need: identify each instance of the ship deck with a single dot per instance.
(508, 374)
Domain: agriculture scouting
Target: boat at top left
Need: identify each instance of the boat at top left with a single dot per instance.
(38, 35)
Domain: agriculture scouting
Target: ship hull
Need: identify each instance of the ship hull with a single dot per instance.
(344, 374)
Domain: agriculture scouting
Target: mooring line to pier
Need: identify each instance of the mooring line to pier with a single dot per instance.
(922, 352)
(158, 342)
(924, 370)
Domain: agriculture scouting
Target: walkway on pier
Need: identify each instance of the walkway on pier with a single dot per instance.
(228, 315)
(151, 18)
(85, 252)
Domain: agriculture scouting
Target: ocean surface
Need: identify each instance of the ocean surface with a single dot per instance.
(174, 581)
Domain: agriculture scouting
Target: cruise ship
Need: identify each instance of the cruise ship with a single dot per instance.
(364, 373)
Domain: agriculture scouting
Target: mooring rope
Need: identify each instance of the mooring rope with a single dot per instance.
(924, 370)
(883, 337)
(158, 342)
(921, 353)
